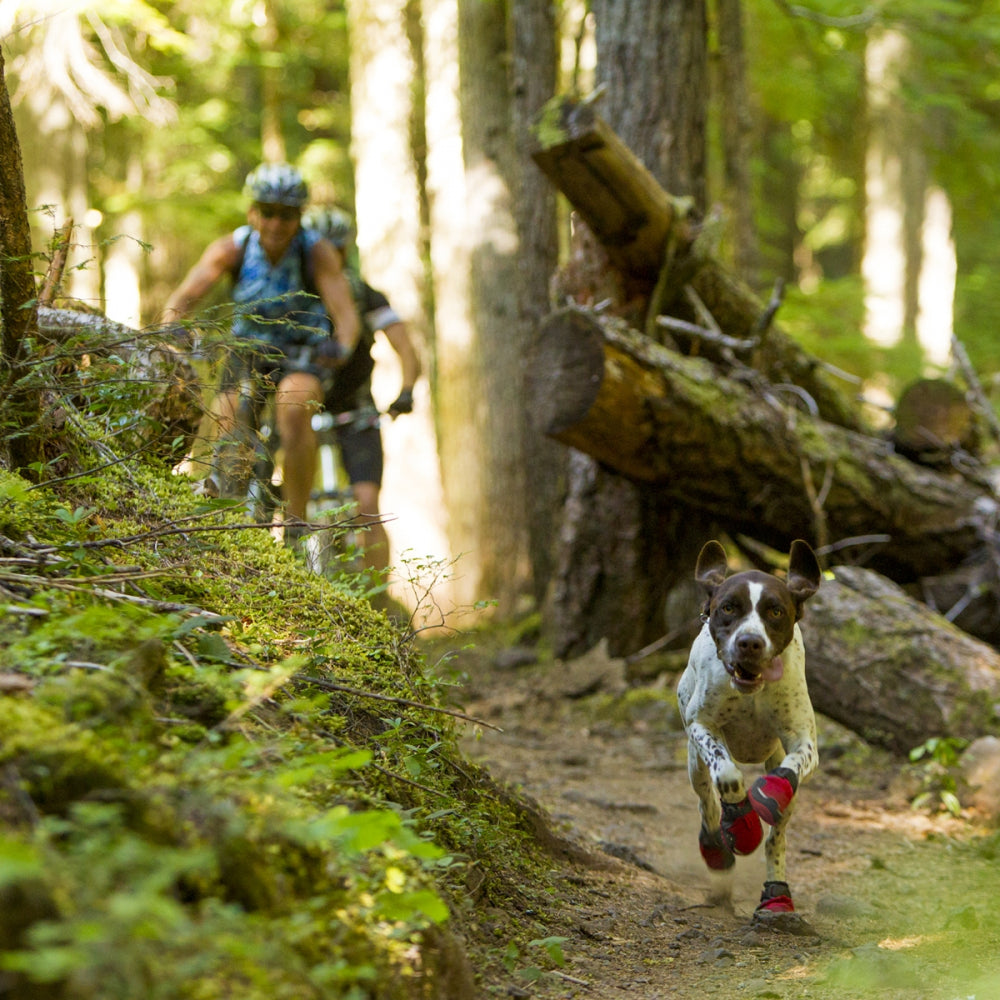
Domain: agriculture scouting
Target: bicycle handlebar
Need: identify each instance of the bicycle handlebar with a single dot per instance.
(365, 417)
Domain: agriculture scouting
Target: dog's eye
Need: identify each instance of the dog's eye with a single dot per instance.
(776, 612)
(728, 608)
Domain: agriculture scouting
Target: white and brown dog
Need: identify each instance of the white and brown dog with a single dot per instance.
(743, 698)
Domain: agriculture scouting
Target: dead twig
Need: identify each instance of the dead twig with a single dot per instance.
(54, 274)
(703, 333)
(982, 404)
(359, 693)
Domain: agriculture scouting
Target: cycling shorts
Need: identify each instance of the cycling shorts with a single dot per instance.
(269, 364)
(361, 453)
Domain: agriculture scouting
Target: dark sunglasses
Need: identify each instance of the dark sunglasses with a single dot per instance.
(284, 212)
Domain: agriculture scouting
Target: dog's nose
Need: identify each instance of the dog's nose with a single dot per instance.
(750, 645)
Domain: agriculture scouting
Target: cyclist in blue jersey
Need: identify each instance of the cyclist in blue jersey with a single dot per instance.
(360, 442)
(288, 283)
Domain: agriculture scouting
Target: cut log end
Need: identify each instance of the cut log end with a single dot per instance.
(932, 415)
(565, 370)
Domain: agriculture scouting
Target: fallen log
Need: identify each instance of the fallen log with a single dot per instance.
(891, 670)
(664, 256)
(166, 399)
(738, 449)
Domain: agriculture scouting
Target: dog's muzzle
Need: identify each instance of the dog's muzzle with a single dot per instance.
(746, 679)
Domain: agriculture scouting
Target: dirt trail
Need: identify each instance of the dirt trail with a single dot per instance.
(896, 904)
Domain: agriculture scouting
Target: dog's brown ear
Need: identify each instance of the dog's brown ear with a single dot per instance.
(712, 566)
(803, 572)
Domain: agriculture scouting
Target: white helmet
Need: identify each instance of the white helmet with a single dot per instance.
(277, 184)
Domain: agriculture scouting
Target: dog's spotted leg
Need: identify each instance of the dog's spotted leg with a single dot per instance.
(771, 795)
(739, 824)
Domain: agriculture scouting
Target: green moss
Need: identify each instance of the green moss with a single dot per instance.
(203, 750)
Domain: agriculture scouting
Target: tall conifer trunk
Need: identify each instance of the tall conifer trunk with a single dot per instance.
(621, 546)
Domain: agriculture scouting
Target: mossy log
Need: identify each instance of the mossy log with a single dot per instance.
(665, 256)
(891, 670)
(165, 384)
(740, 450)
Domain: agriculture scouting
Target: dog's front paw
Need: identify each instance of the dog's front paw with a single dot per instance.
(713, 849)
(741, 829)
(771, 794)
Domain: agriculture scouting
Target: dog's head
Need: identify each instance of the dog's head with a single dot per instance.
(752, 615)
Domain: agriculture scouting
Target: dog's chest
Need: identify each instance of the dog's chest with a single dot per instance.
(751, 724)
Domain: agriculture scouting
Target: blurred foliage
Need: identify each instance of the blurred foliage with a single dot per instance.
(214, 61)
(807, 92)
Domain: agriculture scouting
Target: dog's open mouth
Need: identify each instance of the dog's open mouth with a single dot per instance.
(749, 680)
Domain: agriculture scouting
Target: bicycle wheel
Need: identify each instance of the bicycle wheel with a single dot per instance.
(244, 460)
(336, 549)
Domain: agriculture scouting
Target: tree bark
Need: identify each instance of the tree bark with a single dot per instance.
(389, 150)
(534, 62)
(491, 166)
(457, 396)
(736, 129)
(18, 307)
(734, 448)
(882, 664)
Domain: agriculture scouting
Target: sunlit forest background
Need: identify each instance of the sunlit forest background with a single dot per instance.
(871, 137)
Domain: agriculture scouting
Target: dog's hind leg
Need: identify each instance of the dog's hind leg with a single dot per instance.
(776, 896)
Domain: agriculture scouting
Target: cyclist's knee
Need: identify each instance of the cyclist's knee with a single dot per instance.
(299, 389)
(296, 400)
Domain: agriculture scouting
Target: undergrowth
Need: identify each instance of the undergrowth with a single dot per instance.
(221, 775)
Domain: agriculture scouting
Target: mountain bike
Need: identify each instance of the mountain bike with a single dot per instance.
(330, 552)
(331, 538)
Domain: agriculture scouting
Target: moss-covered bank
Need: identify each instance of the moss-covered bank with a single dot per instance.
(220, 775)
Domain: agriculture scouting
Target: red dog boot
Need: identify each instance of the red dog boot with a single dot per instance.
(771, 794)
(741, 829)
(717, 856)
(776, 898)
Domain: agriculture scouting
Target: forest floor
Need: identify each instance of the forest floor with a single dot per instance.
(891, 902)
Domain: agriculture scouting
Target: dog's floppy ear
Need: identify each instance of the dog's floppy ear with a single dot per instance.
(712, 566)
(803, 572)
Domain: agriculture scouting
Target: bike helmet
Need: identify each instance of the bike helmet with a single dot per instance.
(333, 223)
(277, 184)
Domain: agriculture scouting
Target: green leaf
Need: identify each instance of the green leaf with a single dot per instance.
(18, 862)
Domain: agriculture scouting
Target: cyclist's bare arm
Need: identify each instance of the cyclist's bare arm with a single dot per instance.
(399, 338)
(218, 260)
(334, 290)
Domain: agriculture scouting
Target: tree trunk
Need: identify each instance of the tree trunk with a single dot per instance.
(736, 127)
(491, 168)
(894, 672)
(18, 308)
(388, 150)
(534, 56)
(168, 405)
(734, 448)
(613, 583)
(457, 398)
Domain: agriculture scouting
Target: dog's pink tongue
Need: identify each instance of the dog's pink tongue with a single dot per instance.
(774, 671)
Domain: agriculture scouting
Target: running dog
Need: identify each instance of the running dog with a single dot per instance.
(743, 698)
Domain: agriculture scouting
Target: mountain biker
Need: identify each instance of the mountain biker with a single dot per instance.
(361, 443)
(288, 283)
